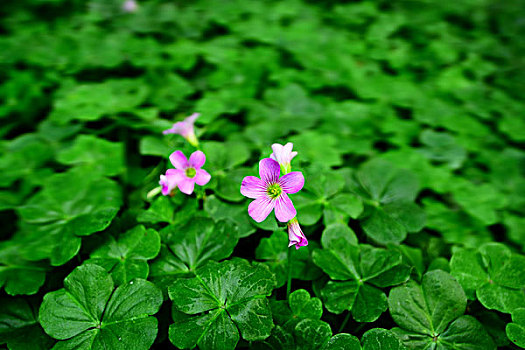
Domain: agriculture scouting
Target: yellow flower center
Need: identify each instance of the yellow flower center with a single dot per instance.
(274, 190)
(191, 172)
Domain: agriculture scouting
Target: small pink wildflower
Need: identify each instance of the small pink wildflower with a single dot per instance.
(296, 235)
(187, 173)
(185, 129)
(168, 182)
(271, 191)
(130, 6)
(283, 155)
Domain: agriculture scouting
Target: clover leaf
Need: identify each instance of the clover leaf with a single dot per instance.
(442, 147)
(430, 315)
(71, 205)
(126, 257)
(219, 210)
(224, 159)
(343, 341)
(273, 250)
(174, 210)
(516, 329)
(482, 201)
(18, 275)
(21, 157)
(185, 249)
(19, 327)
(324, 196)
(312, 334)
(357, 272)
(104, 157)
(389, 194)
(222, 300)
(373, 339)
(299, 306)
(90, 313)
(492, 274)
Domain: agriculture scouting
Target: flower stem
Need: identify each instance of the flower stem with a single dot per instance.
(345, 321)
(153, 192)
(289, 280)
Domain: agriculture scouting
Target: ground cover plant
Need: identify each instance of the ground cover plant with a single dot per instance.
(262, 174)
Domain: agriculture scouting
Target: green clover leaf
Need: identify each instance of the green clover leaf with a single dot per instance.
(71, 205)
(89, 313)
(358, 273)
(222, 300)
(389, 193)
(430, 315)
(19, 327)
(492, 274)
(126, 257)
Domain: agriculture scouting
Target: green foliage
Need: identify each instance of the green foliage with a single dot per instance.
(407, 119)
(492, 274)
(70, 205)
(516, 329)
(273, 251)
(430, 314)
(389, 193)
(222, 300)
(89, 313)
(358, 273)
(19, 326)
(126, 257)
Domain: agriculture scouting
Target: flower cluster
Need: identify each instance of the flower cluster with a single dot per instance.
(187, 173)
(270, 191)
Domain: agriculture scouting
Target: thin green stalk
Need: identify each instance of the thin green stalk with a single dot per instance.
(345, 321)
(289, 280)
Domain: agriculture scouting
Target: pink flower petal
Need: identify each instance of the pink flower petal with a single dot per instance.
(191, 119)
(277, 151)
(179, 160)
(292, 182)
(260, 208)
(202, 177)
(284, 209)
(186, 186)
(197, 159)
(177, 128)
(253, 187)
(269, 170)
(168, 181)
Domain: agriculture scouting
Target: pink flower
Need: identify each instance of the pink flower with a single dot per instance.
(283, 155)
(185, 128)
(271, 191)
(168, 182)
(296, 235)
(130, 6)
(187, 173)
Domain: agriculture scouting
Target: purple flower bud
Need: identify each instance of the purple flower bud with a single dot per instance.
(283, 155)
(296, 235)
(185, 129)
